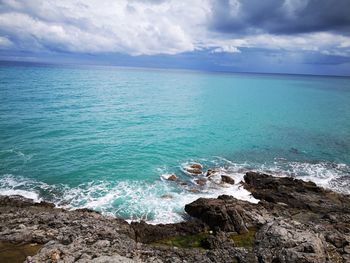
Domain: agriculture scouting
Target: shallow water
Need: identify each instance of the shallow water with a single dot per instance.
(105, 137)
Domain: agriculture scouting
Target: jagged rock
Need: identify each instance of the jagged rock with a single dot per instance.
(294, 221)
(227, 179)
(281, 241)
(217, 213)
(295, 193)
(217, 241)
(147, 233)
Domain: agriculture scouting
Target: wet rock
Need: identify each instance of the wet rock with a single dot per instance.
(227, 179)
(295, 221)
(167, 196)
(210, 172)
(173, 178)
(196, 166)
(194, 169)
(295, 193)
(201, 181)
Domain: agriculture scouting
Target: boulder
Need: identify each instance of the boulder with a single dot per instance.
(201, 181)
(173, 178)
(227, 179)
(219, 214)
(194, 169)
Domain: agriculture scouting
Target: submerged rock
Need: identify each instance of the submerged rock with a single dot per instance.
(201, 181)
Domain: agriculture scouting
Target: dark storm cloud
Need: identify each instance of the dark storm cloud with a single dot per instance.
(281, 17)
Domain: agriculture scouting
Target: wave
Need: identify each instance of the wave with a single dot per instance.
(163, 201)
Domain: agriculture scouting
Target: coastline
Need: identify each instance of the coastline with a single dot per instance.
(295, 221)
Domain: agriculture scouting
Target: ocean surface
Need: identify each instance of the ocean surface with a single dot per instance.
(106, 138)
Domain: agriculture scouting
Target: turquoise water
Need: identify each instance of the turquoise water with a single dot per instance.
(105, 137)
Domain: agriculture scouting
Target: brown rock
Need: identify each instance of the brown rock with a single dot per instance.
(221, 213)
(194, 169)
(55, 256)
(196, 166)
(201, 181)
(227, 179)
(173, 178)
(210, 172)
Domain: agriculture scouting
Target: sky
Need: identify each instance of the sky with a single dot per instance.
(269, 36)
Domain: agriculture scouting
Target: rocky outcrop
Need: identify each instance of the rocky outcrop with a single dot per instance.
(223, 213)
(295, 221)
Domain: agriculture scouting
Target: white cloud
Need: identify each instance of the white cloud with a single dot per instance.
(140, 28)
(226, 49)
(4, 42)
(102, 26)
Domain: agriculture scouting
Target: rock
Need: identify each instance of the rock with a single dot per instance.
(337, 240)
(55, 256)
(227, 179)
(295, 193)
(210, 172)
(29, 259)
(194, 169)
(201, 181)
(196, 166)
(102, 243)
(112, 259)
(167, 196)
(147, 233)
(173, 178)
(217, 213)
(217, 241)
(281, 241)
(294, 221)
(347, 249)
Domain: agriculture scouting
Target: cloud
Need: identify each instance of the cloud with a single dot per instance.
(226, 49)
(280, 17)
(131, 27)
(4, 42)
(153, 27)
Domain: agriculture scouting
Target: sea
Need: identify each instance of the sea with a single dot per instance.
(108, 138)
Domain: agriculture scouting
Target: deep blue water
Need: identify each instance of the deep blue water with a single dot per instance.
(102, 137)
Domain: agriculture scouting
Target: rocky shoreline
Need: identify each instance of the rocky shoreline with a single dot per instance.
(295, 221)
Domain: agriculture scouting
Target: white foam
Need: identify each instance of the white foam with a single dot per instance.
(27, 194)
(163, 201)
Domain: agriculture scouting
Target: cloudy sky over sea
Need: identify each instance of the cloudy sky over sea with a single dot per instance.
(290, 36)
